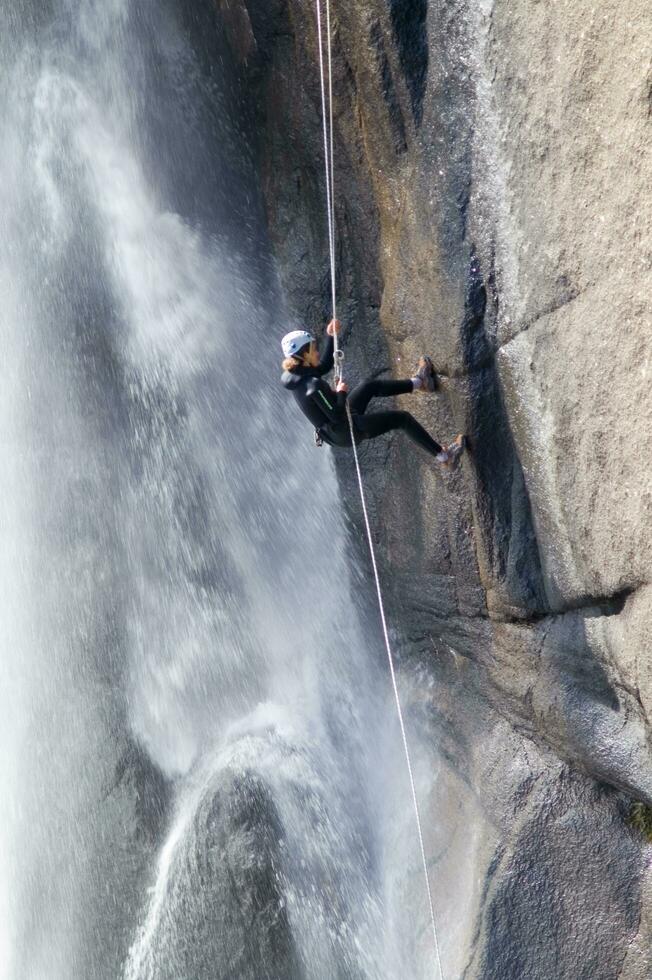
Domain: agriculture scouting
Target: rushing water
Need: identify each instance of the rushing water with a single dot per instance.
(171, 573)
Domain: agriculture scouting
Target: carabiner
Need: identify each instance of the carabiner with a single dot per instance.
(338, 357)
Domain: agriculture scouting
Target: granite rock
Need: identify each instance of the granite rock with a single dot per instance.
(492, 174)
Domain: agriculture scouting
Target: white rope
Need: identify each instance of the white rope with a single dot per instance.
(399, 710)
(330, 205)
(328, 164)
(331, 143)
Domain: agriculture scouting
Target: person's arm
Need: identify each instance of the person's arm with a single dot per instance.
(326, 363)
(327, 360)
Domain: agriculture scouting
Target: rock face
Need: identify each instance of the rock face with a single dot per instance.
(493, 169)
(228, 860)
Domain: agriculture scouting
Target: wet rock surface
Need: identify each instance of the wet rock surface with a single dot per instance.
(492, 174)
(223, 908)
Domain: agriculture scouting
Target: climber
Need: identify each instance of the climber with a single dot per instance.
(303, 371)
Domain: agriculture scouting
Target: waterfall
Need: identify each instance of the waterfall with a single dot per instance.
(174, 567)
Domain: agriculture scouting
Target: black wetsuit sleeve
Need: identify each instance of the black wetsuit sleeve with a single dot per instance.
(326, 363)
(330, 403)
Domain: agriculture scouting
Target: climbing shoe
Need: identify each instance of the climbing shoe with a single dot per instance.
(425, 372)
(450, 454)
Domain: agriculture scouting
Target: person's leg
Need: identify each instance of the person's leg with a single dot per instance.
(378, 423)
(377, 388)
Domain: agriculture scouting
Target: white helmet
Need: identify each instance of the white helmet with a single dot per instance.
(295, 341)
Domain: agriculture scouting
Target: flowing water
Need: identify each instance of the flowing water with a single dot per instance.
(173, 578)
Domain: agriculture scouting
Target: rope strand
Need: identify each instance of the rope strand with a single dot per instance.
(332, 162)
(330, 206)
(397, 699)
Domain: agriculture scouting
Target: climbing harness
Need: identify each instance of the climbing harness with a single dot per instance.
(327, 120)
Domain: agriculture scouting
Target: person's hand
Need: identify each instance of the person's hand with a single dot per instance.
(333, 327)
(341, 386)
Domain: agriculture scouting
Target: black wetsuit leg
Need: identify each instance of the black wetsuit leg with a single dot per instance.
(366, 390)
(378, 423)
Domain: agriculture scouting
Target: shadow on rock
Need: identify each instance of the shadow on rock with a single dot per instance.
(508, 553)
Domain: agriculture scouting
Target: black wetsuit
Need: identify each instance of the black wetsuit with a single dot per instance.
(326, 409)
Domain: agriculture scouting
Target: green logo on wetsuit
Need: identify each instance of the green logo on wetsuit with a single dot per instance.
(325, 401)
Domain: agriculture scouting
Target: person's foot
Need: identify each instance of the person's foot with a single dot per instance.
(425, 374)
(450, 454)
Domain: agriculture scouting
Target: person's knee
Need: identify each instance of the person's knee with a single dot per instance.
(369, 389)
(359, 397)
